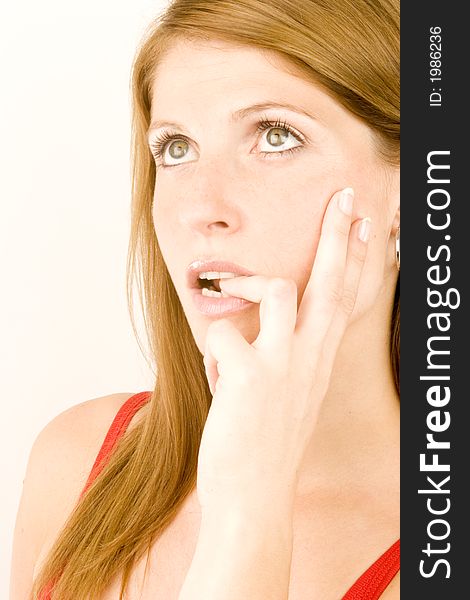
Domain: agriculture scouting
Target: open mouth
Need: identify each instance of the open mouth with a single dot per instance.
(204, 277)
(209, 284)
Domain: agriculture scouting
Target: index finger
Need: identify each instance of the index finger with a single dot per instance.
(325, 286)
(278, 309)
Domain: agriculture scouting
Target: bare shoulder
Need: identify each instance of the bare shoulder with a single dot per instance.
(65, 449)
(59, 463)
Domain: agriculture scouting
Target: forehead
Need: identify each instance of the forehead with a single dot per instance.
(198, 75)
(215, 56)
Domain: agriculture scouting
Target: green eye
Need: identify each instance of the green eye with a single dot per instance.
(278, 139)
(176, 149)
(178, 145)
(278, 134)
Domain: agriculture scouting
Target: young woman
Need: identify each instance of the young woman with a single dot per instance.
(265, 463)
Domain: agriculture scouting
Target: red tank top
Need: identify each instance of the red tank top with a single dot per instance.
(369, 586)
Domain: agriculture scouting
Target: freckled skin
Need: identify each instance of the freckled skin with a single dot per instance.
(227, 200)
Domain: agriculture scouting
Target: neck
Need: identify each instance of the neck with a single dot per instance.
(356, 440)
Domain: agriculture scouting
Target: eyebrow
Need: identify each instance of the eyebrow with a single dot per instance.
(239, 114)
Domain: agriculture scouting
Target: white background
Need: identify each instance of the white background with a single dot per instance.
(65, 334)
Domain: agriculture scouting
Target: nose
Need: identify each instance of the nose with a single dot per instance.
(212, 204)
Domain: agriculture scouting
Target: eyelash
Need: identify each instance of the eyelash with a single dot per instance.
(159, 143)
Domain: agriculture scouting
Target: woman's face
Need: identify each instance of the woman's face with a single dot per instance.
(230, 188)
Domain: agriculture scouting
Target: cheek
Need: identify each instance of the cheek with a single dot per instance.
(286, 210)
(164, 223)
(310, 197)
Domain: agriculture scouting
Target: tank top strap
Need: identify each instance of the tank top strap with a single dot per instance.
(372, 583)
(118, 427)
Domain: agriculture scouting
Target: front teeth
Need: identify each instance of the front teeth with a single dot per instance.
(214, 294)
(216, 275)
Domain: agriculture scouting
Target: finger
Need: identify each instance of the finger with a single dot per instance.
(357, 253)
(355, 259)
(325, 286)
(226, 347)
(278, 309)
(249, 287)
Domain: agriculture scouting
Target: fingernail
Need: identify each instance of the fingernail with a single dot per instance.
(364, 229)
(346, 200)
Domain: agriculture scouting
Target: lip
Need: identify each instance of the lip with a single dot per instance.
(215, 307)
(200, 266)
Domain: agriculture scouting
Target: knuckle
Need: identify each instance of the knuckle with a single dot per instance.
(281, 287)
(359, 254)
(334, 288)
(334, 296)
(348, 301)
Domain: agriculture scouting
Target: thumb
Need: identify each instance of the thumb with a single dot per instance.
(225, 349)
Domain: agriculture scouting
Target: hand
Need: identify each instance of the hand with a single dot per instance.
(267, 395)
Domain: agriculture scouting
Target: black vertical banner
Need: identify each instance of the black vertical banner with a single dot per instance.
(435, 352)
